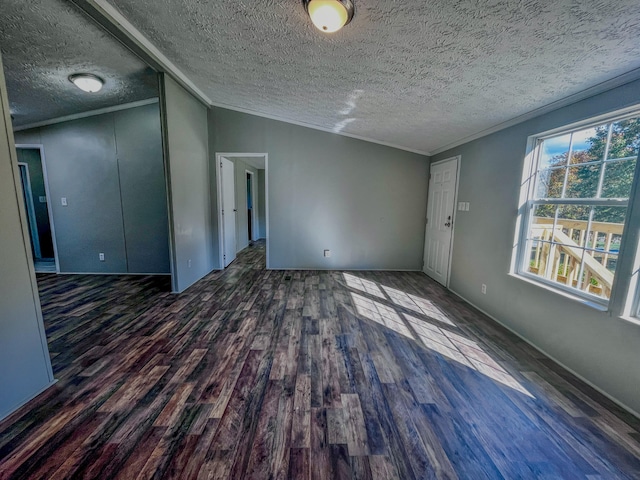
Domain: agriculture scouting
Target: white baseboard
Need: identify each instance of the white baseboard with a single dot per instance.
(592, 385)
(112, 273)
(337, 269)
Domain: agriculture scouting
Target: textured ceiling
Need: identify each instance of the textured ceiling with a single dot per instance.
(43, 42)
(420, 75)
(415, 73)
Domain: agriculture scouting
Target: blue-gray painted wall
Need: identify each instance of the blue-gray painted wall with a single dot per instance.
(25, 369)
(110, 169)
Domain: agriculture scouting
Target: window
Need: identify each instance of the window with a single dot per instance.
(577, 199)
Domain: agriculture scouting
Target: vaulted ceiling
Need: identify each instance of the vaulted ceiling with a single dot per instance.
(412, 73)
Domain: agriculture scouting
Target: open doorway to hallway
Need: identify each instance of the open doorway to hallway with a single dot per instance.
(35, 192)
(242, 202)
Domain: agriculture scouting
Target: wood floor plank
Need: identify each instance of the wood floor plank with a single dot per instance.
(263, 374)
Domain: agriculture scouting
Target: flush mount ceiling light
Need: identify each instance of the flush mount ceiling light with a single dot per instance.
(87, 82)
(329, 15)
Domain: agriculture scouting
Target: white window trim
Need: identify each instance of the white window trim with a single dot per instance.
(624, 301)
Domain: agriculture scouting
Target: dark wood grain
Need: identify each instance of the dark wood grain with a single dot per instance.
(301, 374)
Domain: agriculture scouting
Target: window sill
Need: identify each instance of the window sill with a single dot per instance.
(630, 319)
(556, 291)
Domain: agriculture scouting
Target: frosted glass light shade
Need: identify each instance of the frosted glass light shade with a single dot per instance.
(329, 15)
(87, 82)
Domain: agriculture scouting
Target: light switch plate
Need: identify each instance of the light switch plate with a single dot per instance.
(63, 200)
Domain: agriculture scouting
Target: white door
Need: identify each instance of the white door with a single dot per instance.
(227, 175)
(440, 210)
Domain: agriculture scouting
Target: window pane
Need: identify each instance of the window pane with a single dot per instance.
(554, 151)
(625, 138)
(539, 251)
(586, 146)
(583, 181)
(578, 245)
(618, 178)
(615, 215)
(598, 271)
(550, 183)
(573, 221)
(607, 228)
(542, 218)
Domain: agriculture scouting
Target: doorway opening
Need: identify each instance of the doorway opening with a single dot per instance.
(35, 191)
(252, 208)
(242, 203)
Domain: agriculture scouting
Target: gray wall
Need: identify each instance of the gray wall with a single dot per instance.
(110, 169)
(25, 368)
(262, 212)
(364, 202)
(187, 152)
(601, 348)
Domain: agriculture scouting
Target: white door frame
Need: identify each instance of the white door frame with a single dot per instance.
(457, 159)
(229, 155)
(254, 199)
(40, 147)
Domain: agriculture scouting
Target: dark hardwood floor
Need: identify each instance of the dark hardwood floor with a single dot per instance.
(301, 374)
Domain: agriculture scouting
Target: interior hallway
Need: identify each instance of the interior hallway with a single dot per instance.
(301, 374)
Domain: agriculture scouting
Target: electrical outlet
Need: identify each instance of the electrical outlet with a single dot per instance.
(484, 289)
(466, 206)
(189, 263)
(42, 199)
(101, 257)
(327, 253)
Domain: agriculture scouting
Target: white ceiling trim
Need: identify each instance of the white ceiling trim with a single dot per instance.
(618, 81)
(111, 15)
(91, 113)
(124, 27)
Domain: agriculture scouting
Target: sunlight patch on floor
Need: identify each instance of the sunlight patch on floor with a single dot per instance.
(417, 304)
(462, 350)
(381, 314)
(447, 343)
(363, 285)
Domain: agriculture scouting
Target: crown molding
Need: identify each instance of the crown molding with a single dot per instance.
(602, 87)
(90, 113)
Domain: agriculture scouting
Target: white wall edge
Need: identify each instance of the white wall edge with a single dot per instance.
(551, 357)
(115, 19)
(90, 113)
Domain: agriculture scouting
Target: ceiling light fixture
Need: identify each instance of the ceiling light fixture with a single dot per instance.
(329, 15)
(87, 82)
